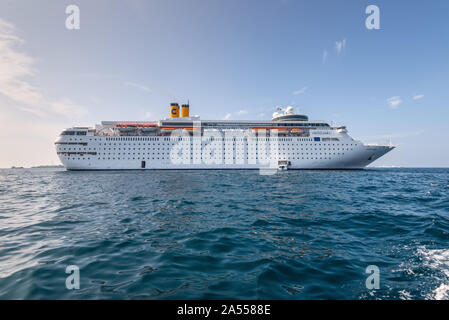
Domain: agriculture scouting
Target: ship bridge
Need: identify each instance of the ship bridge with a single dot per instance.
(288, 115)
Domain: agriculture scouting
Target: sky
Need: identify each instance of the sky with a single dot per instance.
(233, 59)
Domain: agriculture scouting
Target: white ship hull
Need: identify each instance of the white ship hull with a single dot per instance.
(101, 154)
(289, 141)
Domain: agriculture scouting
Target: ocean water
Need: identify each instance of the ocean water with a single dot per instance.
(224, 234)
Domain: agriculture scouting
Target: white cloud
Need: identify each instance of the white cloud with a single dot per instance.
(15, 66)
(227, 116)
(325, 54)
(137, 85)
(418, 96)
(340, 46)
(240, 112)
(300, 91)
(394, 102)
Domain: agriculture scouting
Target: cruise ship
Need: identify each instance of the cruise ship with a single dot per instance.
(289, 141)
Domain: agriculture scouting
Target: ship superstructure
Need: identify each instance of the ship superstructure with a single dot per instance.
(288, 141)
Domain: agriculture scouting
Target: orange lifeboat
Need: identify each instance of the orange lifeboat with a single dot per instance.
(280, 131)
(190, 128)
(168, 130)
(126, 127)
(295, 131)
(146, 125)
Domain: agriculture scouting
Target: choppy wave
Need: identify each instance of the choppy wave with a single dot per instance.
(224, 234)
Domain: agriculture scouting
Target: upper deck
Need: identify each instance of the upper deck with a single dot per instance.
(286, 124)
(243, 124)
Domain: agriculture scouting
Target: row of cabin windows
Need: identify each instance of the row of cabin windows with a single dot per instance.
(306, 158)
(293, 146)
(136, 139)
(234, 147)
(170, 138)
(73, 133)
(219, 154)
(280, 124)
(245, 151)
(295, 139)
(204, 143)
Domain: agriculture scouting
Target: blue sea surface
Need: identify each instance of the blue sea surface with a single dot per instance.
(224, 234)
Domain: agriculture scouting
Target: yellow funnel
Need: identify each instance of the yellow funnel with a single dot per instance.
(174, 110)
(185, 111)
